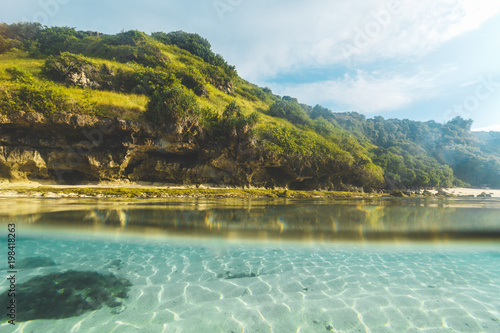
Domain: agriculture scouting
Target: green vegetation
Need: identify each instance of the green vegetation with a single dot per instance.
(175, 83)
(31, 95)
(186, 192)
(423, 154)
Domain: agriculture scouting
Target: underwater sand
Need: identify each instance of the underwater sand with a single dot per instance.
(215, 286)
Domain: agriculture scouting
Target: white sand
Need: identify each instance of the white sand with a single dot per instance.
(195, 288)
(473, 191)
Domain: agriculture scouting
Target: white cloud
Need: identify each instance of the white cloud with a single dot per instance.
(274, 37)
(495, 128)
(267, 38)
(469, 83)
(264, 38)
(367, 92)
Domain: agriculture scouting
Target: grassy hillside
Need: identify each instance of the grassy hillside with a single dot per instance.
(175, 83)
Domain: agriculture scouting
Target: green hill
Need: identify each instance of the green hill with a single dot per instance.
(83, 106)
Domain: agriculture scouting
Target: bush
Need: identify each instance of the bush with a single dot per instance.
(33, 97)
(235, 123)
(20, 75)
(292, 142)
(9, 44)
(29, 94)
(130, 46)
(231, 124)
(290, 110)
(217, 77)
(174, 105)
(131, 38)
(75, 70)
(192, 79)
(196, 45)
(147, 80)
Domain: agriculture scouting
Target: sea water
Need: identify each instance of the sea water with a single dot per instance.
(379, 265)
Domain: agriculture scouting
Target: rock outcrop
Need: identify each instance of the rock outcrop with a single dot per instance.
(77, 149)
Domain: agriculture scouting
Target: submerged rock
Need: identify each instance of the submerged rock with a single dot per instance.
(115, 264)
(236, 275)
(68, 294)
(398, 194)
(34, 262)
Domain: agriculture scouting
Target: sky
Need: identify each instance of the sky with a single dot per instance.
(420, 60)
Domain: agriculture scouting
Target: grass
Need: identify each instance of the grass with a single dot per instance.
(195, 193)
(19, 59)
(111, 104)
(105, 103)
(125, 105)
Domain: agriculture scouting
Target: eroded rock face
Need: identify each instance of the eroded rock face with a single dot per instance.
(76, 149)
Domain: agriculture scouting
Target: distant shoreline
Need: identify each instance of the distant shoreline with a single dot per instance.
(138, 191)
(162, 190)
(472, 191)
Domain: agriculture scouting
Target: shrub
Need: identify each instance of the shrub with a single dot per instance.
(147, 80)
(192, 79)
(235, 123)
(176, 108)
(33, 97)
(289, 109)
(20, 75)
(9, 44)
(292, 142)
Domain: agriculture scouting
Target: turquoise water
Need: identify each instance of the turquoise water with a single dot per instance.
(261, 266)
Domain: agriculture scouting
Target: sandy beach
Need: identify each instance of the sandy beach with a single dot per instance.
(473, 191)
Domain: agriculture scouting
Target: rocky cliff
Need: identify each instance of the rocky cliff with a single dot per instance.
(76, 149)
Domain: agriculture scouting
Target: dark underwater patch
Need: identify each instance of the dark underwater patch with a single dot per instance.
(35, 262)
(68, 294)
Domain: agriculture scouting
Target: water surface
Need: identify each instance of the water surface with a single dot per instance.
(357, 265)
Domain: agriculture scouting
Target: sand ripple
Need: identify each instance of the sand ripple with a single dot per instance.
(198, 288)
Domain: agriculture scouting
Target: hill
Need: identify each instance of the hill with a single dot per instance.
(84, 106)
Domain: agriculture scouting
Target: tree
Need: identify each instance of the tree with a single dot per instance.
(421, 178)
(55, 40)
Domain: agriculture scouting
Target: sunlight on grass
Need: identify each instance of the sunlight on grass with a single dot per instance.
(112, 104)
(19, 59)
(132, 106)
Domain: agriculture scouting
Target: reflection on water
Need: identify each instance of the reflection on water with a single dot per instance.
(118, 283)
(353, 219)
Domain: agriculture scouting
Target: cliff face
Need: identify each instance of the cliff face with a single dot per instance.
(75, 149)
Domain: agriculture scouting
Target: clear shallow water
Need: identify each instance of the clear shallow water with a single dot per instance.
(270, 266)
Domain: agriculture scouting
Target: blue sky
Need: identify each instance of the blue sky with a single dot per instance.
(420, 60)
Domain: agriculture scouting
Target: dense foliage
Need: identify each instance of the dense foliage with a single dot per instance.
(31, 95)
(196, 45)
(196, 96)
(422, 154)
